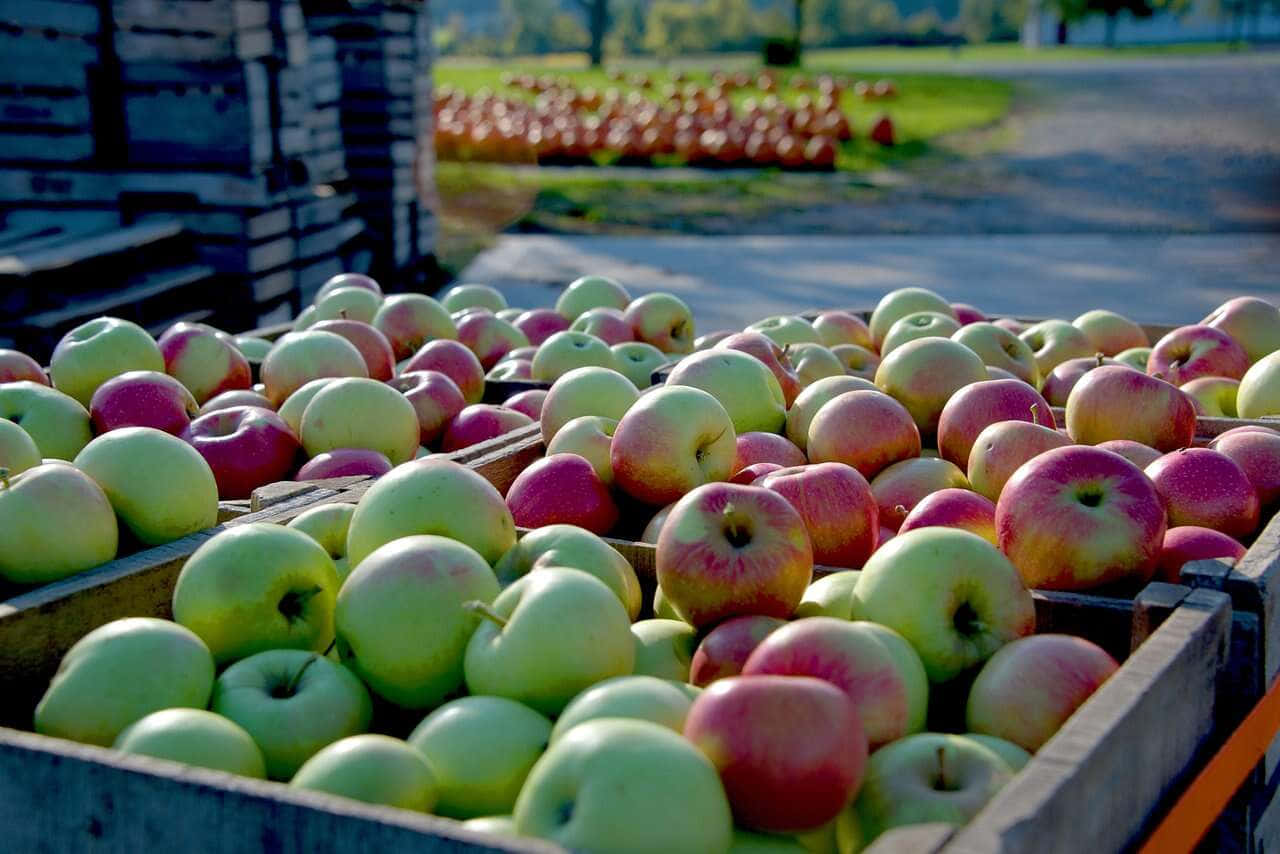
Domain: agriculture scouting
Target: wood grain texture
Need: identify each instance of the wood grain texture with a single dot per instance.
(913, 839)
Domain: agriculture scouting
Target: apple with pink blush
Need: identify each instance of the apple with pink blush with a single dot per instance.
(1117, 402)
(510, 369)
(841, 327)
(454, 360)
(345, 462)
(300, 357)
(1057, 386)
(374, 347)
(1203, 487)
(815, 396)
(1257, 452)
(925, 373)
(480, 422)
(348, 280)
(838, 509)
(207, 364)
(757, 447)
(238, 397)
(1135, 452)
(901, 486)
(142, 399)
(726, 648)
(17, 367)
(885, 432)
(1017, 327)
(967, 314)
(954, 508)
(245, 446)
(711, 339)
(590, 437)
(771, 355)
(607, 324)
(411, 320)
(539, 324)
(489, 337)
(1213, 396)
(562, 489)
(975, 407)
(1190, 352)
(1186, 543)
(436, 399)
(752, 473)
(527, 402)
(1253, 323)
(857, 361)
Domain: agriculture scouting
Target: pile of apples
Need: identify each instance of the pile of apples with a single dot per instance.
(697, 124)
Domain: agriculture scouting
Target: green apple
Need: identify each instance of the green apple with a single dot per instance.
(626, 786)
(809, 401)
(300, 357)
(920, 324)
(400, 618)
(663, 320)
(786, 329)
(305, 319)
(831, 596)
(159, 486)
(473, 296)
(55, 521)
(1134, 357)
(1054, 342)
(1259, 392)
(18, 451)
(1013, 755)
(586, 391)
(327, 525)
(664, 648)
(590, 437)
(565, 351)
(1110, 333)
(481, 750)
(295, 404)
(359, 304)
(253, 349)
(432, 496)
(496, 825)
(361, 413)
(195, 737)
(376, 769)
(747, 390)
(56, 422)
(575, 548)
(923, 374)
(547, 637)
(898, 304)
(293, 703)
(641, 697)
(1214, 396)
(662, 607)
(813, 362)
(120, 673)
(98, 350)
(256, 587)
(637, 361)
(591, 292)
(1000, 348)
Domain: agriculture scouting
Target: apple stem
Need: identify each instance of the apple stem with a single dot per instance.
(297, 677)
(4, 477)
(942, 767)
(1100, 359)
(1035, 413)
(731, 527)
(475, 606)
(900, 508)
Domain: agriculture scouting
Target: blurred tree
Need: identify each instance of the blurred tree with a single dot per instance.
(626, 31)
(540, 26)
(597, 22)
(1070, 11)
(987, 20)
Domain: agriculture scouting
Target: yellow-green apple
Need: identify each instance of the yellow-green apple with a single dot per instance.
(726, 647)
(524, 353)
(527, 402)
(1134, 357)
(481, 422)
(1135, 452)
(1259, 392)
(305, 319)
(546, 638)
(1002, 448)
(510, 369)
(663, 320)
(590, 292)
(359, 304)
(348, 280)
(790, 749)
(562, 489)
(435, 398)
(576, 548)
(481, 750)
(237, 397)
(19, 367)
(1013, 755)
(98, 350)
(1053, 342)
(256, 587)
(885, 434)
(456, 362)
(295, 404)
(646, 698)
(494, 825)
(1017, 327)
(1028, 689)
(1117, 402)
(293, 703)
(728, 550)
(841, 327)
(344, 462)
(1077, 517)
(654, 526)
(121, 672)
(662, 607)
(664, 648)
(509, 313)
(898, 304)
(975, 407)
(300, 357)
(787, 329)
(745, 388)
(327, 524)
(950, 593)
(142, 399)
(857, 361)
(401, 625)
(1191, 352)
(757, 447)
(637, 361)
(1213, 396)
(873, 665)
(470, 295)
(55, 521)
(994, 373)
(539, 324)
(566, 351)
(373, 346)
(1109, 333)
(770, 355)
(360, 413)
(838, 509)
(927, 778)
(1000, 348)
(373, 768)
(669, 442)
(921, 324)
(967, 314)
(18, 451)
(954, 508)
(432, 496)
(1058, 384)
(1258, 453)
(155, 509)
(814, 397)
(245, 447)
(1203, 487)
(830, 596)
(253, 348)
(588, 436)
(1191, 542)
(711, 339)
(813, 362)
(490, 337)
(900, 487)
(626, 785)
(1252, 322)
(411, 320)
(923, 374)
(198, 358)
(194, 737)
(610, 325)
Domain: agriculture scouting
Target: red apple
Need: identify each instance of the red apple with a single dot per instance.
(372, 344)
(539, 324)
(480, 422)
(510, 369)
(1117, 402)
(774, 358)
(1002, 448)
(1258, 453)
(562, 489)
(663, 320)
(975, 407)
(758, 447)
(837, 507)
(246, 446)
(205, 363)
(1190, 352)
(885, 433)
(239, 397)
(344, 462)
(728, 646)
(527, 402)
(607, 324)
(711, 339)
(411, 320)
(489, 337)
(954, 508)
(1057, 386)
(456, 362)
(967, 314)
(436, 399)
(142, 399)
(1253, 323)
(901, 486)
(16, 367)
(1135, 452)
(1206, 488)
(1192, 542)
(752, 473)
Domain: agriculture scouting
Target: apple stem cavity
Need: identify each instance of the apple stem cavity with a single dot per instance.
(475, 606)
(293, 603)
(4, 477)
(291, 687)
(942, 770)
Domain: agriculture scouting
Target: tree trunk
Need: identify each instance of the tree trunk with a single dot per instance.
(799, 26)
(1111, 29)
(598, 10)
(1062, 31)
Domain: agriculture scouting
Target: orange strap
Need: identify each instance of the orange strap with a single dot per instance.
(1208, 795)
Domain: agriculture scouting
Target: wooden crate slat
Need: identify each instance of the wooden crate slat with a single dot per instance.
(52, 110)
(144, 286)
(217, 18)
(33, 145)
(80, 248)
(78, 19)
(143, 46)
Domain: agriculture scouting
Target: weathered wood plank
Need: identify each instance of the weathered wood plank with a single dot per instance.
(912, 839)
(278, 493)
(1151, 607)
(1255, 584)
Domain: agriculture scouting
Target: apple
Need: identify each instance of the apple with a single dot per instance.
(1000, 348)
(142, 399)
(757, 447)
(359, 304)
(1135, 452)
(725, 649)
(481, 422)
(348, 280)
(967, 314)
(1257, 452)
(1002, 448)
(539, 324)
(473, 296)
(98, 350)
(590, 292)
(198, 358)
(954, 508)
(372, 345)
(565, 351)
(1116, 402)
(627, 784)
(838, 509)
(975, 407)
(435, 398)
(376, 769)
(1202, 487)
(645, 698)
(923, 374)
(521, 353)
(816, 395)
(238, 397)
(121, 672)
(901, 486)
(55, 521)
(1259, 392)
(920, 324)
(1054, 342)
(953, 596)
(728, 550)
(510, 369)
(1135, 357)
(898, 304)
(1253, 323)
(637, 361)
(1213, 396)
(770, 355)
(305, 319)
(19, 367)
(874, 666)
(790, 749)
(327, 524)
(294, 703)
(254, 349)
(1028, 689)
(245, 447)
(18, 451)
(588, 436)
(360, 413)
(344, 462)
(490, 337)
(814, 362)
(1017, 327)
(1191, 352)
(786, 329)
(663, 320)
(610, 325)
(830, 596)
(194, 737)
(300, 357)
(664, 648)
(575, 548)
(1076, 517)
(527, 403)
(841, 327)
(1063, 378)
(410, 321)
(749, 475)
(711, 339)
(745, 388)
(1110, 333)
(857, 361)
(671, 441)
(295, 404)
(586, 391)
(456, 362)
(562, 489)
(886, 433)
